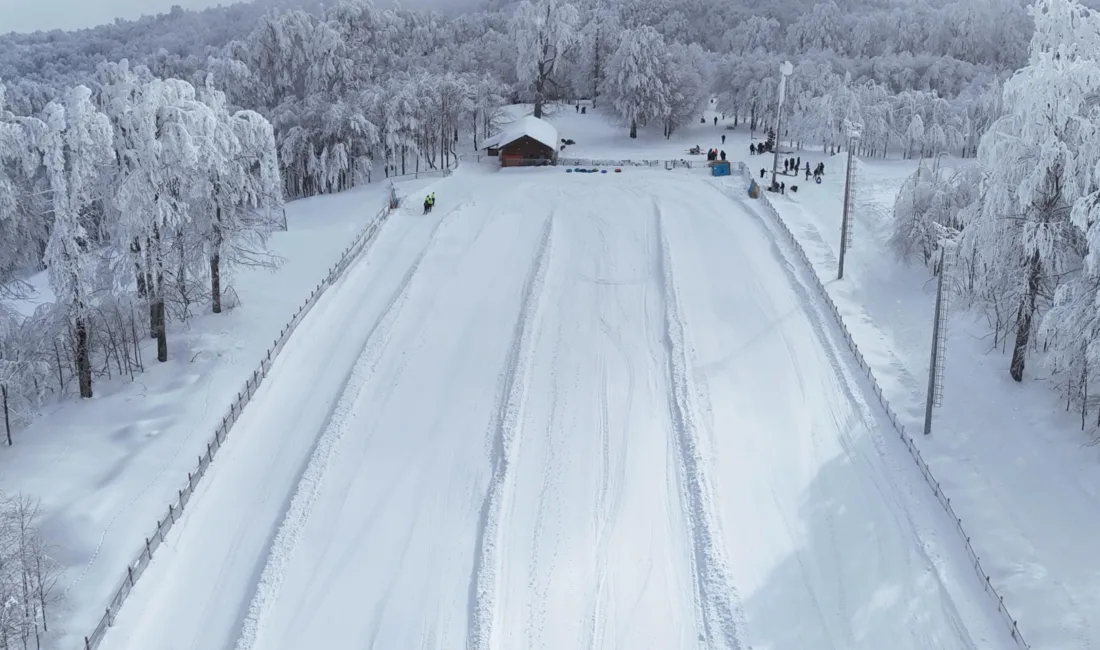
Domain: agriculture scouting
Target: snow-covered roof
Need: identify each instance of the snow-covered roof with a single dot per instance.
(537, 129)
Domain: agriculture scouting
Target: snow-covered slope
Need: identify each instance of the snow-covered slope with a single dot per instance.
(581, 411)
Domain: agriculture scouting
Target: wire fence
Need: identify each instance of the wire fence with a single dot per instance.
(663, 163)
(175, 509)
(416, 175)
(975, 561)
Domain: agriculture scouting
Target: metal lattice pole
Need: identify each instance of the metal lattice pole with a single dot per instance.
(846, 219)
(785, 70)
(934, 398)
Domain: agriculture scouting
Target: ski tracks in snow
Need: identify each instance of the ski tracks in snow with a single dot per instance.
(504, 433)
(925, 542)
(290, 532)
(718, 605)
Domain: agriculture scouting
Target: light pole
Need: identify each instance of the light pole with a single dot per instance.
(785, 70)
(854, 131)
(934, 396)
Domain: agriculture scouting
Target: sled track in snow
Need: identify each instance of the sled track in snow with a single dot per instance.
(282, 548)
(504, 432)
(718, 607)
(854, 391)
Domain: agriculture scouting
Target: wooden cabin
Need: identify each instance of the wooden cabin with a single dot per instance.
(529, 141)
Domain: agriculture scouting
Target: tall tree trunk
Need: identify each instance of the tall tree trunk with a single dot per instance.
(7, 417)
(215, 265)
(181, 279)
(135, 248)
(83, 358)
(160, 329)
(540, 88)
(1024, 319)
(597, 72)
(150, 288)
(156, 307)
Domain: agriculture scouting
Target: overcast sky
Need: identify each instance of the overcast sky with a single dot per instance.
(32, 15)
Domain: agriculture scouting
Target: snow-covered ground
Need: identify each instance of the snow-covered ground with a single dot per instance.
(1014, 463)
(106, 469)
(570, 411)
(589, 532)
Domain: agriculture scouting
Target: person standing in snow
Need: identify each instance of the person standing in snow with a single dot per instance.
(723, 138)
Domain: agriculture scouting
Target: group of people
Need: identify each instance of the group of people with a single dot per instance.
(429, 203)
(759, 149)
(714, 154)
(778, 186)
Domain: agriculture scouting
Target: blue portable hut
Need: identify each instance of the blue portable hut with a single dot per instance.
(720, 168)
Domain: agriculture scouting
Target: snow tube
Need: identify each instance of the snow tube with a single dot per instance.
(818, 180)
(569, 171)
(603, 171)
(618, 170)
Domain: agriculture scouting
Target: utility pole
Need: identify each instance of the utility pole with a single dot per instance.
(934, 398)
(785, 70)
(854, 131)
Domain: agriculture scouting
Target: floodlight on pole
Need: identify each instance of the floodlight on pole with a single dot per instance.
(785, 70)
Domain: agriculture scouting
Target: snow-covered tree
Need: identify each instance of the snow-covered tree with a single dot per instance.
(544, 31)
(76, 149)
(1065, 59)
(599, 38)
(21, 229)
(1040, 158)
(933, 201)
(687, 73)
(638, 79)
(241, 196)
(163, 165)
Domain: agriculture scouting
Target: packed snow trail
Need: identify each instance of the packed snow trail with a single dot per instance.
(592, 411)
(201, 581)
(597, 551)
(820, 515)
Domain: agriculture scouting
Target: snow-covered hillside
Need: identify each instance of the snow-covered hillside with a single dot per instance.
(563, 409)
(585, 410)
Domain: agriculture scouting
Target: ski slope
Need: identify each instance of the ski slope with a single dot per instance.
(563, 411)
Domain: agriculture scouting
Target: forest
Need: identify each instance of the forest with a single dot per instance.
(1018, 226)
(142, 161)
